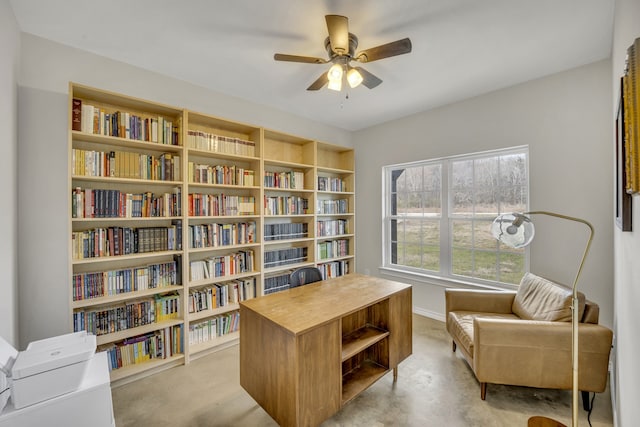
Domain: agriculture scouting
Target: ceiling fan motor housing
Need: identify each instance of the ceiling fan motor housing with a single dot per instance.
(353, 45)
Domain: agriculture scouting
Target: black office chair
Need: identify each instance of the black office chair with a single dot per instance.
(303, 276)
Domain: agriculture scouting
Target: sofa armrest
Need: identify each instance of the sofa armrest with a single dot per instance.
(482, 301)
(538, 353)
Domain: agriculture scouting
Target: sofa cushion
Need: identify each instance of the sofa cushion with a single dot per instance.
(460, 326)
(541, 299)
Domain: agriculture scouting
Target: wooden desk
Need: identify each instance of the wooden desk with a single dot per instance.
(307, 351)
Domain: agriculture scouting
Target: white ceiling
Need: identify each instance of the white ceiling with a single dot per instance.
(461, 48)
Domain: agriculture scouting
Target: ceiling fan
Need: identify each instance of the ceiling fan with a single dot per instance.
(341, 47)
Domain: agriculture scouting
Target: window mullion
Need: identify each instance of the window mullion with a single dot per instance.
(445, 223)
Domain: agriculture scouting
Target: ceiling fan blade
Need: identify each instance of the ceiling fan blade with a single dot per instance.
(398, 47)
(297, 58)
(368, 79)
(320, 82)
(338, 27)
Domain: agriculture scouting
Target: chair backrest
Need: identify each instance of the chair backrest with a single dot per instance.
(303, 276)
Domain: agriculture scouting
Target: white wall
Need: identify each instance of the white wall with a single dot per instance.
(626, 376)
(566, 121)
(46, 69)
(9, 68)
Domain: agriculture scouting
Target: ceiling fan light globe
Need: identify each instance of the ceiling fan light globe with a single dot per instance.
(335, 73)
(354, 78)
(335, 85)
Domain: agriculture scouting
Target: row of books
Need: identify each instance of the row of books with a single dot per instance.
(101, 203)
(222, 265)
(125, 164)
(293, 180)
(101, 321)
(221, 294)
(334, 269)
(284, 256)
(221, 174)
(285, 205)
(332, 207)
(327, 183)
(220, 205)
(332, 227)
(333, 249)
(116, 241)
(220, 144)
(115, 282)
(215, 327)
(160, 344)
(276, 283)
(215, 235)
(123, 124)
(284, 231)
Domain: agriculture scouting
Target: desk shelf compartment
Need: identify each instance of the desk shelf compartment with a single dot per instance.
(364, 369)
(365, 348)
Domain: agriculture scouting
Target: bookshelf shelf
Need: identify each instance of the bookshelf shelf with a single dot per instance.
(145, 367)
(334, 171)
(140, 330)
(219, 155)
(100, 180)
(346, 215)
(222, 186)
(223, 248)
(336, 236)
(337, 193)
(212, 280)
(285, 267)
(196, 163)
(193, 218)
(307, 215)
(228, 339)
(213, 312)
(128, 220)
(335, 259)
(285, 241)
(125, 296)
(118, 258)
(113, 141)
(287, 190)
(285, 164)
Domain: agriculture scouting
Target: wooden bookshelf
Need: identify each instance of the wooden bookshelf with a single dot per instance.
(191, 170)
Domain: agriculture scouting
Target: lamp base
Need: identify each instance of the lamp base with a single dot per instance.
(544, 422)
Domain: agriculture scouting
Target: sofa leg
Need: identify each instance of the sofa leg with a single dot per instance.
(483, 391)
(586, 405)
(453, 346)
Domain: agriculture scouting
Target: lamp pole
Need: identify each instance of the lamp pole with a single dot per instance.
(574, 311)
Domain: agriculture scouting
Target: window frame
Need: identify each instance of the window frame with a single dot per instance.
(444, 276)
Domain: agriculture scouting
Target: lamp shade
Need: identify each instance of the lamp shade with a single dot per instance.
(354, 77)
(513, 229)
(334, 75)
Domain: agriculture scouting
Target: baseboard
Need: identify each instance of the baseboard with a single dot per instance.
(613, 379)
(428, 313)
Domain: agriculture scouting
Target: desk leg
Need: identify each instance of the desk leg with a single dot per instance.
(395, 374)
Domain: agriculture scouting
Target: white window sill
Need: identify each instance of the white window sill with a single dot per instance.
(444, 282)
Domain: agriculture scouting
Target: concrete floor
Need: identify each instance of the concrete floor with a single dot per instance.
(435, 388)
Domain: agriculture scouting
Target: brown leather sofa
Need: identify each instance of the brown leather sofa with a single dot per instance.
(524, 338)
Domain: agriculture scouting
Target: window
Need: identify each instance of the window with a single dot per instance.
(438, 213)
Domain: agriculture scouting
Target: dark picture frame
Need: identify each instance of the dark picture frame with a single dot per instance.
(623, 199)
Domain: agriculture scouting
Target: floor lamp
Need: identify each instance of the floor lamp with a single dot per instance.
(517, 231)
